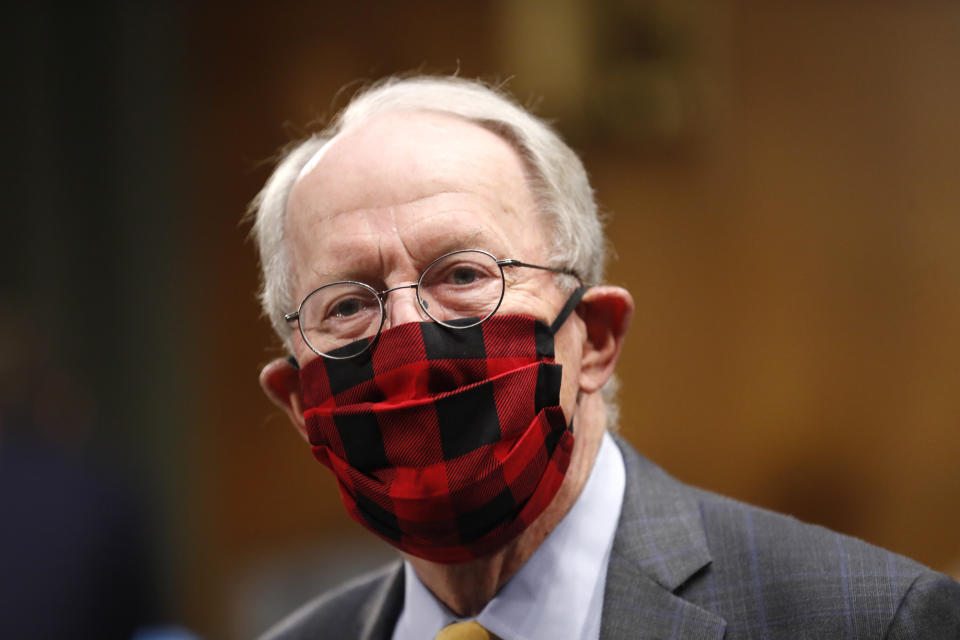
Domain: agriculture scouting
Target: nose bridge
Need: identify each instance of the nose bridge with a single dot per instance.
(401, 305)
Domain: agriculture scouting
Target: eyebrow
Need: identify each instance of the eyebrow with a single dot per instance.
(476, 239)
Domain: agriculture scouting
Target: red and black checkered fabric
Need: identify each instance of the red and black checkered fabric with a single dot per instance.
(445, 443)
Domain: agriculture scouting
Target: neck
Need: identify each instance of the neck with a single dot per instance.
(467, 588)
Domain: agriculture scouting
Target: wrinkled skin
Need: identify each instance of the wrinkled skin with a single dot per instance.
(377, 205)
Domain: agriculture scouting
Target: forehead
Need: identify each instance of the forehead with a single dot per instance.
(404, 187)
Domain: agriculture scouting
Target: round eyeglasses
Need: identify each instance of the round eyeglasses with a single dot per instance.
(458, 290)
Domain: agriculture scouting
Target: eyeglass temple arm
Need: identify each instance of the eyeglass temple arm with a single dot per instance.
(510, 262)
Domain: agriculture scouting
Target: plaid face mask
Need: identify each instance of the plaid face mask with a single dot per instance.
(445, 443)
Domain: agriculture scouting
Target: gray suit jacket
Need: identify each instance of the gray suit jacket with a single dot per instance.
(690, 564)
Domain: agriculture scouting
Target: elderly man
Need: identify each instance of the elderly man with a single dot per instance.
(433, 261)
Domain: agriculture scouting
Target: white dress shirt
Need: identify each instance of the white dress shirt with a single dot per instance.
(558, 593)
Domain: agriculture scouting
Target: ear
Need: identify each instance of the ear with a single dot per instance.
(281, 382)
(606, 312)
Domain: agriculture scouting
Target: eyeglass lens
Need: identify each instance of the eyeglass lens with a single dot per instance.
(464, 285)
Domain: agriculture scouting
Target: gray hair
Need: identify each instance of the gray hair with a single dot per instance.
(557, 178)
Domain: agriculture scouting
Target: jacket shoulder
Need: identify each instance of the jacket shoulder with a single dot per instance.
(931, 609)
(349, 611)
(795, 576)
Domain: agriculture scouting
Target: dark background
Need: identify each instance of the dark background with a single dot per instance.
(782, 184)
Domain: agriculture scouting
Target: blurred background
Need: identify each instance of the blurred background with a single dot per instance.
(781, 180)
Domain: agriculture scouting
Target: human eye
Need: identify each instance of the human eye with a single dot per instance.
(464, 273)
(347, 307)
(340, 305)
(463, 284)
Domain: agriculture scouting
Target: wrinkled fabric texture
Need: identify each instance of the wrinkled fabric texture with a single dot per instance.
(694, 565)
(446, 443)
(558, 592)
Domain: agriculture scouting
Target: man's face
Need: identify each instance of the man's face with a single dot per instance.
(386, 199)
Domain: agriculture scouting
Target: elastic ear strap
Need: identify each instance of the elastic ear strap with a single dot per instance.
(568, 308)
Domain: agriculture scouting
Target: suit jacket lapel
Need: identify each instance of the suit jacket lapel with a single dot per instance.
(382, 608)
(659, 545)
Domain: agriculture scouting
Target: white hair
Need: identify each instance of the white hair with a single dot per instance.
(557, 178)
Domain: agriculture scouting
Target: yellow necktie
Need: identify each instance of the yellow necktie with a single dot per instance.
(465, 631)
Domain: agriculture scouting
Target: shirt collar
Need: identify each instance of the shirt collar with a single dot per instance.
(558, 593)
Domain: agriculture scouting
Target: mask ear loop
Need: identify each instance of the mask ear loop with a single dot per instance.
(568, 308)
(565, 312)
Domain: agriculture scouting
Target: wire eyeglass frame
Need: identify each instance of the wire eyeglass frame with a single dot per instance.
(381, 297)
